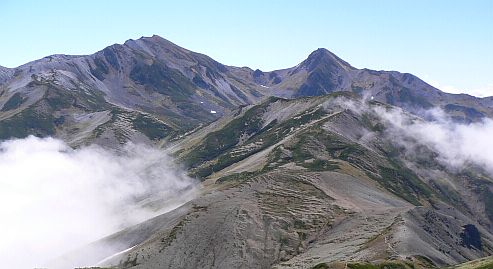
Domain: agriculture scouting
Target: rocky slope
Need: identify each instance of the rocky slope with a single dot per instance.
(102, 98)
(323, 72)
(298, 168)
(310, 182)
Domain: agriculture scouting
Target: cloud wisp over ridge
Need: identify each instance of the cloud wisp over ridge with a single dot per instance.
(457, 144)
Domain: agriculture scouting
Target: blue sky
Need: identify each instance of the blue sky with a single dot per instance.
(447, 43)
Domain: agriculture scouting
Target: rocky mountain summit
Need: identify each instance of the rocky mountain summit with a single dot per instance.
(300, 168)
(103, 98)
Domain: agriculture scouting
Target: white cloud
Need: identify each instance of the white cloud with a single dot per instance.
(444, 87)
(486, 90)
(456, 143)
(54, 199)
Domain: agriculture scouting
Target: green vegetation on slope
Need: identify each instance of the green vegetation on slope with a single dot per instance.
(218, 142)
(151, 127)
(220, 146)
(358, 265)
(162, 79)
(14, 102)
(484, 263)
(27, 122)
(322, 147)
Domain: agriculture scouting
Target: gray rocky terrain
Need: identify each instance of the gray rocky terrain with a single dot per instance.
(317, 194)
(297, 168)
(173, 91)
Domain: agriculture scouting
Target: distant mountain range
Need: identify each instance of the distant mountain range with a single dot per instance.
(298, 167)
(101, 98)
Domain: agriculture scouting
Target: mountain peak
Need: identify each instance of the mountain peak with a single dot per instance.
(320, 52)
(156, 45)
(155, 39)
(324, 56)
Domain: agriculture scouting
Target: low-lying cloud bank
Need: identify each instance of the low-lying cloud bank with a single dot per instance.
(54, 199)
(457, 144)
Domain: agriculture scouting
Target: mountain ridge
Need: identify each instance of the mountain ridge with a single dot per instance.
(297, 166)
(181, 90)
(169, 43)
(302, 181)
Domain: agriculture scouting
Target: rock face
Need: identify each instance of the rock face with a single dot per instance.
(175, 90)
(297, 167)
(471, 237)
(323, 72)
(303, 182)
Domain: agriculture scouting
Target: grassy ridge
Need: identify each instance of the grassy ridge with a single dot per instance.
(484, 263)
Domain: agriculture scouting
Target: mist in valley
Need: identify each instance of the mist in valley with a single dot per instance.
(54, 199)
